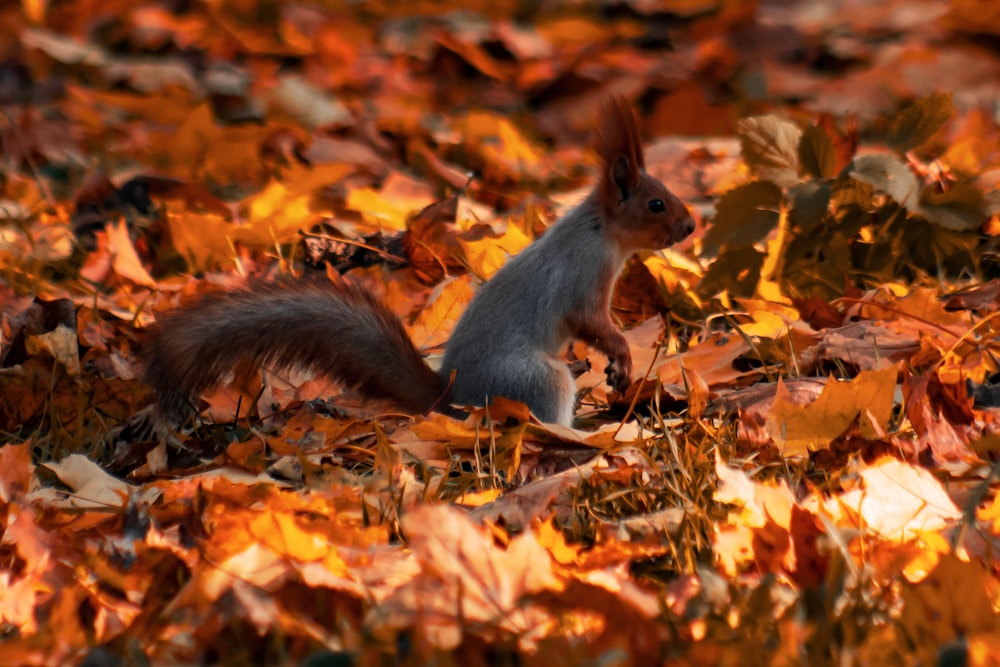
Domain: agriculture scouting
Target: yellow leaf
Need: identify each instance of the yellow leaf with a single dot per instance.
(478, 498)
(200, 238)
(389, 208)
(799, 429)
(553, 539)
(295, 191)
(507, 153)
(486, 256)
(438, 319)
(125, 260)
(765, 325)
(286, 535)
(991, 514)
(930, 547)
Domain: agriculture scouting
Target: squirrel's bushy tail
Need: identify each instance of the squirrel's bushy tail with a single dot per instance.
(340, 330)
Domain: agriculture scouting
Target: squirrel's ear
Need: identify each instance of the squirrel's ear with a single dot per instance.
(619, 147)
(623, 174)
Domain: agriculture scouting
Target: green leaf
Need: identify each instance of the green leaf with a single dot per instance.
(810, 204)
(816, 153)
(918, 122)
(961, 208)
(816, 264)
(769, 145)
(736, 271)
(890, 175)
(848, 192)
(937, 250)
(744, 216)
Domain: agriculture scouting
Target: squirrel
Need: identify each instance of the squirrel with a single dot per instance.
(507, 343)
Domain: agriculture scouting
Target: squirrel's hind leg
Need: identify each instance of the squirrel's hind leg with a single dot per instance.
(541, 382)
(548, 389)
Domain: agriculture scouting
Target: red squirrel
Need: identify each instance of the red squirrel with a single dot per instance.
(507, 343)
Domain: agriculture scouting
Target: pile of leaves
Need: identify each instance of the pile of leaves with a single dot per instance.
(804, 470)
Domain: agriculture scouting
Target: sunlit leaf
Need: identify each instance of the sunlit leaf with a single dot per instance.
(799, 429)
(156, 151)
(439, 318)
(890, 175)
(770, 147)
(899, 500)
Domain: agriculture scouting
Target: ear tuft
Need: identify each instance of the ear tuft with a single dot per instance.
(618, 132)
(620, 149)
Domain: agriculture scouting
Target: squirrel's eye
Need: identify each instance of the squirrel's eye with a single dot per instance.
(656, 205)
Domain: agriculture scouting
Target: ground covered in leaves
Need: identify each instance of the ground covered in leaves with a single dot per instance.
(803, 472)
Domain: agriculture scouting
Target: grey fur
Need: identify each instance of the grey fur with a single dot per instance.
(510, 339)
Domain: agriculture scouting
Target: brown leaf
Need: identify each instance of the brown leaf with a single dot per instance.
(712, 358)
(431, 241)
(864, 344)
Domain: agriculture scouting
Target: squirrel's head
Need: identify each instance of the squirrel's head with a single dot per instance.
(640, 212)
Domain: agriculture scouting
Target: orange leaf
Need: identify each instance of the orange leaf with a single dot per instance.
(15, 471)
(468, 583)
(437, 320)
(800, 429)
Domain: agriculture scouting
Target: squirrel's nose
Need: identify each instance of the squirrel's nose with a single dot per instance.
(684, 228)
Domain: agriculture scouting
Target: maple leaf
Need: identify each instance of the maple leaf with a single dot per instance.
(799, 429)
(899, 501)
(467, 582)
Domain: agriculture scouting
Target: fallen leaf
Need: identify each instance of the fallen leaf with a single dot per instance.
(899, 501)
(800, 429)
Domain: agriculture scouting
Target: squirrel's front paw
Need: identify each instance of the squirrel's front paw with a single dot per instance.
(619, 372)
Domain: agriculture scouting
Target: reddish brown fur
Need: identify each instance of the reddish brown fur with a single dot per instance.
(626, 190)
(619, 146)
(341, 330)
(618, 132)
